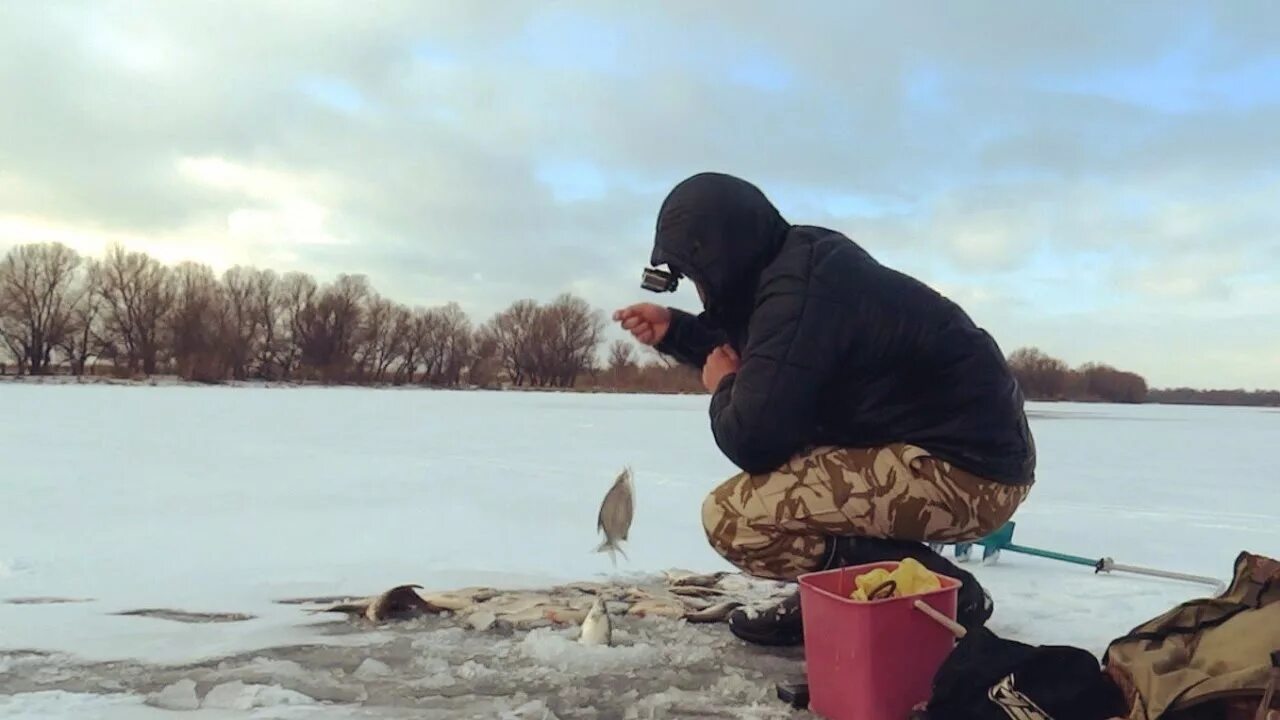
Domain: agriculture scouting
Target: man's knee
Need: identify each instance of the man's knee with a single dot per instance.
(1002, 508)
(722, 510)
(711, 515)
(987, 512)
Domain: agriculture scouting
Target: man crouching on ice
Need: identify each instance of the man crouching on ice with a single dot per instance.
(868, 413)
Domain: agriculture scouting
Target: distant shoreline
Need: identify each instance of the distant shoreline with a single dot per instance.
(587, 389)
(175, 381)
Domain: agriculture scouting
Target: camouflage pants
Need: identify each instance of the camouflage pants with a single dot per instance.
(775, 525)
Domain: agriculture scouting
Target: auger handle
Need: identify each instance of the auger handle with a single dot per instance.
(1109, 565)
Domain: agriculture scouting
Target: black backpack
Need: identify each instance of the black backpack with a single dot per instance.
(989, 678)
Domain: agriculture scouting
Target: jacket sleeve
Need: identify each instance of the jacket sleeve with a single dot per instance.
(690, 338)
(764, 414)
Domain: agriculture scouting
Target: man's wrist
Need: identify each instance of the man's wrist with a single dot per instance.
(664, 344)
(725, 382)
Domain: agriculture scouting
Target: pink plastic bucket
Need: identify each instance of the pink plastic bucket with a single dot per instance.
(871, 660)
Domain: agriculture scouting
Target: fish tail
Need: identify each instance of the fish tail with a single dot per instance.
(613, 552)
(610, 548)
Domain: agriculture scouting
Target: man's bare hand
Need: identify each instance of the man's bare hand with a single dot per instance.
(721, 362)
(647, 323)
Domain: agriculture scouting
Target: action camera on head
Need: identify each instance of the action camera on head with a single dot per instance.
(655, 280)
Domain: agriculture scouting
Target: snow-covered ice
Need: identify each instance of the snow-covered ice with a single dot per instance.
(202, 505)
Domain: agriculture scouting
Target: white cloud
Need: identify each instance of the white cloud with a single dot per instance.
(488, 151)
(1201, 276)
(198, 244)
(284, 213)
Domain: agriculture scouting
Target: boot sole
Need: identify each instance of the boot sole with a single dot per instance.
(768, 639)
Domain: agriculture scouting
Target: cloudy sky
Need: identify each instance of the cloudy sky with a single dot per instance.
(1099, 180)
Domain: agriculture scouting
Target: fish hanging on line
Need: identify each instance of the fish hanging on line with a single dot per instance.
(615, 515)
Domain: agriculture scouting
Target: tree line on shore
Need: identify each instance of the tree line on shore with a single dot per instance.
(1043, 377)
(127, 315)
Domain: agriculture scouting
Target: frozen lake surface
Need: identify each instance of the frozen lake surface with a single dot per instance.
(222, 500)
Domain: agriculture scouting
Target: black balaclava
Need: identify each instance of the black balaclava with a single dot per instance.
(720, 232)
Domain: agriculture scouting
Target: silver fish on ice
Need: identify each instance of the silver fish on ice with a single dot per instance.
(615, 515)
(597, 628)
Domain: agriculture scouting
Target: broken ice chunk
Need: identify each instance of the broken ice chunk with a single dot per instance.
(180, 695)
(372, 669)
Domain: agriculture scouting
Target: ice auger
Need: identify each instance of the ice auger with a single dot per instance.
(1002, 539)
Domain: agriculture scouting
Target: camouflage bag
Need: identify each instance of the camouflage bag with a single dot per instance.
(1207, 659)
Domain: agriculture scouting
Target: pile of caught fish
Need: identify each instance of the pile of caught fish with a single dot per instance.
(680, 595)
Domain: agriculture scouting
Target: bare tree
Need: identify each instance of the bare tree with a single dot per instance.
(137, 293)
(446, 346)
(1047, 378)
(196, 323)
(9, 346)
(327, 328)
(273, 348)
(1041, 376)
(381, 338)
(457, 333)
(37, 294)
(512, 334)
(5, 351)
(570, 332)
(484, 362)
(83, 337)
(1104, 382)
(543, 362)
(413, 344)
(242, 320)
(622, 355)
(298, 292)
(404, 332)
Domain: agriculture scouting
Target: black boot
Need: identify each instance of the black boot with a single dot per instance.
(777, 626)
(973, 604)
(780, 624)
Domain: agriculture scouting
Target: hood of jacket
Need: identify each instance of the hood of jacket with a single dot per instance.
(720, 232)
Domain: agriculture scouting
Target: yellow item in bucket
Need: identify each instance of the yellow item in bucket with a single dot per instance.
(910, 578)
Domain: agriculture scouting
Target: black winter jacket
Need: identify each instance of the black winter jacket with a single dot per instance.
(836, 348)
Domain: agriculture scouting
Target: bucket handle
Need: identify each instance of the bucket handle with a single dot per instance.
(884, 590)
(956, 628)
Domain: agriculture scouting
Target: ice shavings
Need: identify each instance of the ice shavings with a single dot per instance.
(532, 710)
(559, 650)
(239, 696)
(60, 703)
